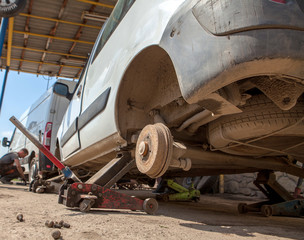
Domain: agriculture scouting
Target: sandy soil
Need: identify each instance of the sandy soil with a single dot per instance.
(214, 217)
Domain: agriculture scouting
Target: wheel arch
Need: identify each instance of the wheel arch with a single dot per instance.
(149, 83)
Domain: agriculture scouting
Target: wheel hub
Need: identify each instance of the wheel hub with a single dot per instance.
(154, 150)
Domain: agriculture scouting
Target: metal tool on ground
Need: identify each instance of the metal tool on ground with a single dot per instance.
(74, 193)
(280, 202)
(180, 193)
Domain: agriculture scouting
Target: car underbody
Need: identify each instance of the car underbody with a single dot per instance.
(247, 126)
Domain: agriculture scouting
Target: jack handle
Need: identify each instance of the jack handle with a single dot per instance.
(65, 170)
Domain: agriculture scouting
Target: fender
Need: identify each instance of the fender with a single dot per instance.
(205, 62)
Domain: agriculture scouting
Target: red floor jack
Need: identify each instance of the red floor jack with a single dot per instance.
(96, 192)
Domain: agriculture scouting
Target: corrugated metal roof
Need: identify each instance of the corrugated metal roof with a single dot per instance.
(65, 52)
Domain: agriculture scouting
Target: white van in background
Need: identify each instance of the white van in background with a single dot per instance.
(42, 119)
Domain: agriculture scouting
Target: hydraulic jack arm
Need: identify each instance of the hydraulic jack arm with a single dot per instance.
(65, 170)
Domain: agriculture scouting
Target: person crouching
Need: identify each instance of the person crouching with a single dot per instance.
(10, 167)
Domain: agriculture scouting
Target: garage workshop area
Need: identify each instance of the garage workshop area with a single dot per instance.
(164, 119)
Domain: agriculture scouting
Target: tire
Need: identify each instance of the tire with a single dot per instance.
(260, 117)
(11, 8)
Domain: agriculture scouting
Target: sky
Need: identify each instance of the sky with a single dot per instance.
(20, 92)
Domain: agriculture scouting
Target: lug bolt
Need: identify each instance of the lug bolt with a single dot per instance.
(56, 234)
(61, 223)
(143, 148)
(20, 217)
(57, 225)
(49, 224)
(66, 225)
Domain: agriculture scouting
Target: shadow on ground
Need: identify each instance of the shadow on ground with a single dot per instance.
(218, 213)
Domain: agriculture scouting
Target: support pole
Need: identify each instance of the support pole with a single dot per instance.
(9, 41)
(3, 28)
(3, 87)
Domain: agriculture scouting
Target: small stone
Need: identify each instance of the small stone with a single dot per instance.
(66, 225)
(20, 217)
(51, 224)
(57, 225)
(61, 223)
(56, 234)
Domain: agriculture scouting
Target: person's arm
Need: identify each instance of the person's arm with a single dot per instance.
(17, 163)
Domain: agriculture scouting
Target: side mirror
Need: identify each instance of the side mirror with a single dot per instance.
(61, 89)
(5, 142)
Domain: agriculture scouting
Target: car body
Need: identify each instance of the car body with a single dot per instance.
(224, 78)
(42, 119)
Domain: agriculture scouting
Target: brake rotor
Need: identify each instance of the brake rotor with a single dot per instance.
(154, 150)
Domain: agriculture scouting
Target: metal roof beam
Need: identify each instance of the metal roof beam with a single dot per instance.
(54, 37)
(50, 52)
(78, 34)
(47, 63)
(57, 20)
(52, 33)
(97, 3)
(9, 41)
(26, 29)
(42, 74)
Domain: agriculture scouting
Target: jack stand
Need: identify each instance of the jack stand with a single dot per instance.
(182, 193)
(280, 201)
(90, 195)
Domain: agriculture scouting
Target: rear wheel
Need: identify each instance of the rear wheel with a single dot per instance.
(261, 123)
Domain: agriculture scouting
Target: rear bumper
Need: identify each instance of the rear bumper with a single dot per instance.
(205, 62)
(232, 16)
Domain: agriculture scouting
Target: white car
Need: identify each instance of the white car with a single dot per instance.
(191, 88)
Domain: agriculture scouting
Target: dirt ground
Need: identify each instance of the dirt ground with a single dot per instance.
(214, 217)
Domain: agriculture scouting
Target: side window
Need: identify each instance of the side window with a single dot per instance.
(116, 16)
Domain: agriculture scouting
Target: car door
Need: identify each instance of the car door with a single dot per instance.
(69, 134)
